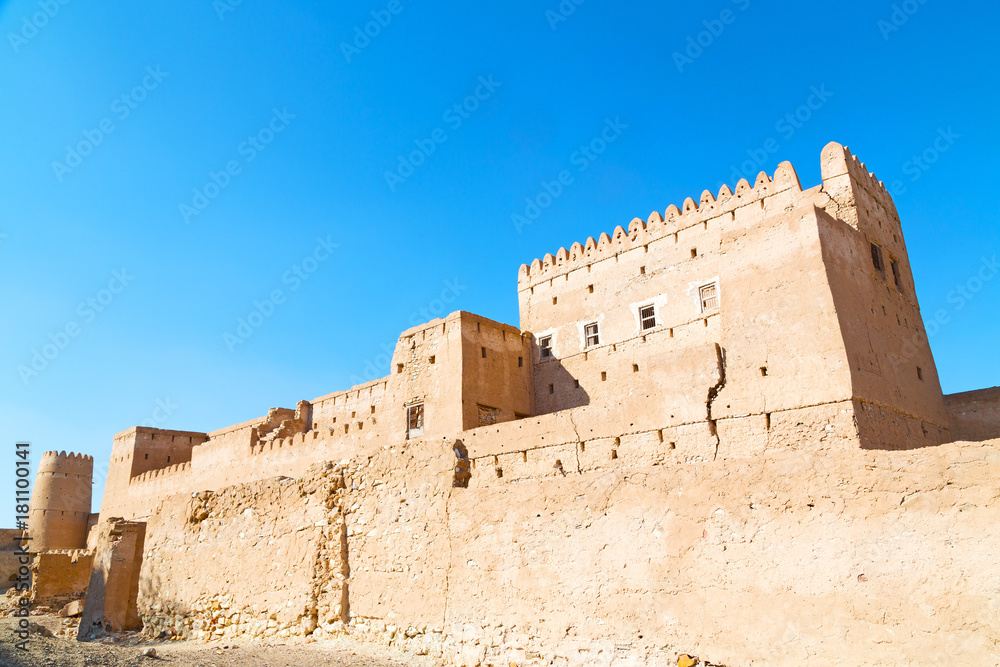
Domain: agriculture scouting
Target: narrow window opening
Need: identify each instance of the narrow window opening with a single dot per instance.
(897, 278)
(353, 414)
(920, 373)
(432, 359)
(555, 299)
(346, 427)
(642, 270)
(694, 253)
(484, 352)
(877, 261)
(660, 434)
(520, 362)
(671, 333)
(373, 409)
(583, 447)
(604, 376)
(168, 459)
(614, 454)
(576, 384)
(545, 347)
(524, 457)
(767, 421)
(635, 368)
(399, 368)
(590, 288)
(763, 371)
(552, 389)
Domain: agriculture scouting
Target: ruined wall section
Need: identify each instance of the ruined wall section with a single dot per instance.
(277, 549)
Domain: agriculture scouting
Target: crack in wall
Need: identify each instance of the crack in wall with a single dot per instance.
(713, 393)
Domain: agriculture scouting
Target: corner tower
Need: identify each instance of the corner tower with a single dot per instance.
(59, 511)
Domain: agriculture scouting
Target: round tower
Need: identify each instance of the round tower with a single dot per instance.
(60, 502)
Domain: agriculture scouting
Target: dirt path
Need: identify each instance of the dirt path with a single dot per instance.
(62, 652)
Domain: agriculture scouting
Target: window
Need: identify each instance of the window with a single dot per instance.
(709, 295)
(647, 318)
(545, 345)
(415, 420)
(591, 335)
(920, 373)
(520, 362)
(896, 276)
(877, 258)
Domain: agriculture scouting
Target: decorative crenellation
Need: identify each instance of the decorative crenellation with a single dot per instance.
(837, 160)
(67, 463)
(150, 475)
(657, 226)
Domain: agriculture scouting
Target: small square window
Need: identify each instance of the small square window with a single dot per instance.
(545, 347)
(877, 261)
(647, 318)
(591, 335)
(415, 420)
(709, 296)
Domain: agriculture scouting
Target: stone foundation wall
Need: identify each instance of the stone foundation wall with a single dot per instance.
(57, 574)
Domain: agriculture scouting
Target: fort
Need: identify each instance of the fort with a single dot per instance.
(718, 427)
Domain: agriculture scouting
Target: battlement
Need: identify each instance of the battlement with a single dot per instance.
(837, 160)
(657, 226)
(160, 472)
(66, 464)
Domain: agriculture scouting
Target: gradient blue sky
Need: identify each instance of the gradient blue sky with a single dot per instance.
(447, 230)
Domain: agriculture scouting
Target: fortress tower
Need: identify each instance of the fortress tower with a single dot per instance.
(59, 511)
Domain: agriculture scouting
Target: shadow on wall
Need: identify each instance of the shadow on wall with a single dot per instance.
(560, 390)
(974, 416)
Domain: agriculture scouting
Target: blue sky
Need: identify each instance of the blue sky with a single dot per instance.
(168, 169)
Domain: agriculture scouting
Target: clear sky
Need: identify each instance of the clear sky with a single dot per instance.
(169, 168)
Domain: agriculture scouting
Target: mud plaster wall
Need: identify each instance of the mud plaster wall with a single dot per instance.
(974, 415)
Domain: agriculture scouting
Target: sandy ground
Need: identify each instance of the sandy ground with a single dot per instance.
(59, 651)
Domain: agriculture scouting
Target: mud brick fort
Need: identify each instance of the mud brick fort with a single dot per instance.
(719, 428)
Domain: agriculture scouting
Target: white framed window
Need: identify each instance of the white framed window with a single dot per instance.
(415, 420)
(545, 347)
(591, 335)
(647, 317)
(709, 297)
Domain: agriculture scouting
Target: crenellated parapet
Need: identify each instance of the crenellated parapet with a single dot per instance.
(657, 226)
(844, 175)
(66, 463)
(158, 473)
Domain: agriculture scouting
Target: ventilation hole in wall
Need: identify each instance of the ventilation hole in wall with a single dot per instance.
(677, 237)
(531, 290)
(642, 270)
(432, 359)
(373, 409)
(354, 414)
(499, 473)
(361, 425)
(706, 225)
(618, 441)
(659, 434)
(673, 445)
(763, 371)
(524, 457)
(334, 420)
(346, 427)
(920, 373)
(168, 459)
(614, 454)
(555, 299)
(478, 329)
(604, 376)
(645, 248)
(520, 362)
(671, 333)
(583, 447)
(576, 384)
(552, 389)
(706, 321)
(496, 460)
(399, 368)
(635, 368)
(590, 288)
(484, 352)
(767, 421)
(694, 252)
